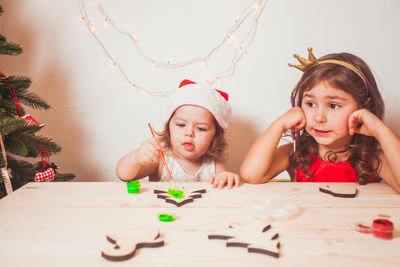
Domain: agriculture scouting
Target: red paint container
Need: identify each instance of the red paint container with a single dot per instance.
(382, 228)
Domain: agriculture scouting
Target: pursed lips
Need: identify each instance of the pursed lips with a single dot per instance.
(189, 146)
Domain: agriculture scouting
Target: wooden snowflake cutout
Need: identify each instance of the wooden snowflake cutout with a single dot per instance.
(255, 239)
(179, 201)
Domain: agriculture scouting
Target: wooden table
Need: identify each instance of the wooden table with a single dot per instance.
(65, 224)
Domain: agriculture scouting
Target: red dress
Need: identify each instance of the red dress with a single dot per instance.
(326, 171)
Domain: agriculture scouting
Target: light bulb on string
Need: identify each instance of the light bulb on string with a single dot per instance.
(258, 22)
(145, 92)
(253, 11)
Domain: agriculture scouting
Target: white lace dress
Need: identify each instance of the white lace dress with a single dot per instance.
(179, 175)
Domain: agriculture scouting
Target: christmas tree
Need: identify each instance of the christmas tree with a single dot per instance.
(19, 138)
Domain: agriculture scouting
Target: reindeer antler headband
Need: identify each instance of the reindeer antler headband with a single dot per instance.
(312, 61)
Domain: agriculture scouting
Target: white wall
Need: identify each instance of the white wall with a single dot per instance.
(97, 116)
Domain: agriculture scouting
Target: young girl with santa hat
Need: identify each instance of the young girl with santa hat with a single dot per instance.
(193, 140)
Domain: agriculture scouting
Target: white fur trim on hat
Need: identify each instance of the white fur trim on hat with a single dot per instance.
(190, 93)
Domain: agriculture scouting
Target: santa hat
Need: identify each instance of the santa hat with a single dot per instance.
(191, 93)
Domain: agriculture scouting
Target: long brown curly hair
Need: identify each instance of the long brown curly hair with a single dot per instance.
(363, 149)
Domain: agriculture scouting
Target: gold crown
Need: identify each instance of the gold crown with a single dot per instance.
(305, 63)
(312, 61)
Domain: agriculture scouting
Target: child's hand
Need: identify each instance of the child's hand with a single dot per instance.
(294, 119)
(147, 152)
(224, 178)
(364, 122)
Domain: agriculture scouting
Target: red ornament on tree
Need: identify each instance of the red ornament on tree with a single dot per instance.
(31, 121)
(46, 176)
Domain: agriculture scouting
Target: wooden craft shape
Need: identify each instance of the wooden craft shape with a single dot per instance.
(344, 190)
(179, 201)
(123, 248)
(255, 239)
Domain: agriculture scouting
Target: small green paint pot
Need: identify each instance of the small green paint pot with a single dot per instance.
(133, 187)
(166, 218)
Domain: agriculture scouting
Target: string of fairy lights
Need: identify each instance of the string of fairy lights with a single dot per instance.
(253, 12)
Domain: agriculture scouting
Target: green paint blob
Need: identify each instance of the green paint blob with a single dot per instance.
(166, 218)
(133, 187)
(176, 193)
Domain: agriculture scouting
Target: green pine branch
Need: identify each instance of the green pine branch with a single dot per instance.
(11, 125)
(10, 49)
(18, 167)
(2, 112)
(34, 101)
(32, 143)
(8, 109)
(24, 172)
(7, 104)
(16, 146)
(22, 140)
(27, 129)
(20, 85)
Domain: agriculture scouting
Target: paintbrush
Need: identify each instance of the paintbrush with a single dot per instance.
(163, 159)
(293, 132)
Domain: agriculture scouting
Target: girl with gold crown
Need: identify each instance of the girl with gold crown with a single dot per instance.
(338, 132)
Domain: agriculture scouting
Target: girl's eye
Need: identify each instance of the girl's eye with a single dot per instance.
(180, 124)
(201, 129)
(310, 104)
(334, 106)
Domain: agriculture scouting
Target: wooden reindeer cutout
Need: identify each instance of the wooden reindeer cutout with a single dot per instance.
(123, 248)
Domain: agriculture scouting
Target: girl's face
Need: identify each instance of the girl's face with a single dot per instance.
(192, 130)
(327, 110)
